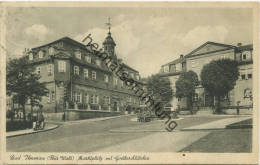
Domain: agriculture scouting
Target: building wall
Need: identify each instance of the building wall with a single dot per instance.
(196, 63)
(58, 82)
(244, 87)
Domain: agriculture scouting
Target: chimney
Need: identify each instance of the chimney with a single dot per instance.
(239, 44)
(181, 56)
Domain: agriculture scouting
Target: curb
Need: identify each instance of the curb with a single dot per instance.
(239, 126)
(33, 132)
(87, 120)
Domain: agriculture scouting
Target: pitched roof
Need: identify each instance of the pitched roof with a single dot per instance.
(225, 46)
(65, 39)
(127, 66)
(245, 47)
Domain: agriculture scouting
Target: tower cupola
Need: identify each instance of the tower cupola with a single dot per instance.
(109, 43)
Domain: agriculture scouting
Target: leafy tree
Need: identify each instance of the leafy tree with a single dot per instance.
(160, 88)
(219, 77)
(22, 83)
(185, 87)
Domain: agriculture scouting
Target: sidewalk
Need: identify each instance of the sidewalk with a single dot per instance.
(87, 120)
(48, 127)
(158, 142)
(219, 124)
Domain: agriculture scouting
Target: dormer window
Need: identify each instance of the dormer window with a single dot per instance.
(137, 77)
(40, 54)
(51, 51)
(78, 55)
(31, 56)
(132, 75)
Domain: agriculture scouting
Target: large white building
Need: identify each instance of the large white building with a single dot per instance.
(196, 59)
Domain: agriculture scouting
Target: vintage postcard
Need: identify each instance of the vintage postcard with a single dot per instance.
(129, 82)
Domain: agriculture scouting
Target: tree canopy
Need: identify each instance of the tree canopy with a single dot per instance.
(160, 88)
(23, 83)
(185, 86)
(219, 77)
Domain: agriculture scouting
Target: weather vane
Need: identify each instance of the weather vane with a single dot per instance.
(108, 24)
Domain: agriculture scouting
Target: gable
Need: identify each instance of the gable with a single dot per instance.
(209, 47)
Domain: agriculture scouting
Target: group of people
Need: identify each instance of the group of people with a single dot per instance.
(38, 121)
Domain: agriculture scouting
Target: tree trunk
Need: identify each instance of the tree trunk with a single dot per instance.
(189, 104)
(218, 108)
(31, 116)
(24, 114)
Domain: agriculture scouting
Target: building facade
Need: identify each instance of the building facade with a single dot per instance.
(77, 79)
(204, 54)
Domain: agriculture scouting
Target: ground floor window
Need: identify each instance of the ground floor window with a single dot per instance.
(106, 100)
(50, 96)
(76, 97)
(94, 99)
(195, 97)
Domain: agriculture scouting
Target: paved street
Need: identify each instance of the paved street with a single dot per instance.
(114, 135)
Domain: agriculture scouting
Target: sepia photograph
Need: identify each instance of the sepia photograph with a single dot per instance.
(129, 79)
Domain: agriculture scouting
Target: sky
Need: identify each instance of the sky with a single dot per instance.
(146, 38)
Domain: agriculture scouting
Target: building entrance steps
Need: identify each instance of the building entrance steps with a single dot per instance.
(219, 124)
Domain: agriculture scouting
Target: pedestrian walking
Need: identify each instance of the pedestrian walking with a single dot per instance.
(238, 102)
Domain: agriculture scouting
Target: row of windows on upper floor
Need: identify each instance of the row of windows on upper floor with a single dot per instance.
(76, 71)
(77, 54)
(88, 59)
(174, 67)
(62, 68)
(245, 56)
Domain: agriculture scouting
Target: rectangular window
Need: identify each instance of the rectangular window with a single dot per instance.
(85, 73)
(106, 79)
(244, 56)
(106, 100)
(193, 64)
(30, 56)
(249, 76)
(166, 69)
(78, 55)
(92, 99)
(94, 75)
(40, 54)
(76, 70)
(49, 68)
(51, 51)
(243, 76)
(88, 59)
(195, 97)
(61, 66)
(78, 97)
(98, 62)
(38, 70)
